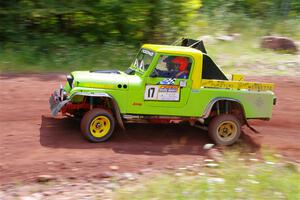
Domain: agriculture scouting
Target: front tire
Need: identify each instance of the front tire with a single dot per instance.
(97, 125)
(224, 129)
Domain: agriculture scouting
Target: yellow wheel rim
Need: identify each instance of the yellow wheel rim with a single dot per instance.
(100, 126)
(227, 130)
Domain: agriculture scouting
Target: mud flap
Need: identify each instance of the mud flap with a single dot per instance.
(251, 128)
(56, 104)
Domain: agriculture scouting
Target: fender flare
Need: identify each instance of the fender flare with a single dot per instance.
(215, 100)
(105, 95)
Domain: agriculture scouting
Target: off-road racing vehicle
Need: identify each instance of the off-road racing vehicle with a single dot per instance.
(164, 84)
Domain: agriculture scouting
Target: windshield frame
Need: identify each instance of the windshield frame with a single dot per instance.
(136, 61)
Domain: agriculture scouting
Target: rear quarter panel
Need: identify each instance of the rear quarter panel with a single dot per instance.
(256, 104)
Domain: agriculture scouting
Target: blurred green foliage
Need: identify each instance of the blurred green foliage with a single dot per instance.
(256, 16)
(263, 9)
(94, 21)
(129, 21)
(53, 34)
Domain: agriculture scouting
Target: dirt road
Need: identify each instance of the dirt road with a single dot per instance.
(34, 143)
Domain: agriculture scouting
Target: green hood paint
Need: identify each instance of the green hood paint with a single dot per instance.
(100, 80)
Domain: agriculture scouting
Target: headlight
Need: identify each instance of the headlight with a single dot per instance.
(70, 80)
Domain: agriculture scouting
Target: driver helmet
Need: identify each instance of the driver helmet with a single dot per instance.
(170, 65)
(182, 63)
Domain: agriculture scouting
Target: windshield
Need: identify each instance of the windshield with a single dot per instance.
(143, 60)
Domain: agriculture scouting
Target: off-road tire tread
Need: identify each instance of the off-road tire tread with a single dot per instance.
(214, 124)
(87, 119)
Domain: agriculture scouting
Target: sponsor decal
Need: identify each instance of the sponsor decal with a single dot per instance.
(162, 93)
(147, 52)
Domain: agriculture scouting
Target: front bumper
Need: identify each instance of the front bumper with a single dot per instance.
(56, 102)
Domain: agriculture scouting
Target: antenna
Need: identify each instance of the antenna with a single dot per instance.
(177, 41)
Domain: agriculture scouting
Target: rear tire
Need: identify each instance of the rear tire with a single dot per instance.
(224, 129)
(97, 125)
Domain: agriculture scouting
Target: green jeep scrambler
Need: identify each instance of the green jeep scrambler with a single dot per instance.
(164, 84)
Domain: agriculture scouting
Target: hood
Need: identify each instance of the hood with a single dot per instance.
(104, 79)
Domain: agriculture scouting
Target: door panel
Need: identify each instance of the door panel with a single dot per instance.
(166, 88)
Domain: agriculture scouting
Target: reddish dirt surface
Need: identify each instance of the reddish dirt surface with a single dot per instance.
(34, 143)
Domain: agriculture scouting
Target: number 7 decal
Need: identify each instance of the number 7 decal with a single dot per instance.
(151, 92)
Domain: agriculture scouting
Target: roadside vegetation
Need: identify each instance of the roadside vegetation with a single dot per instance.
(48, 36)
(233, 178)
(240, 56)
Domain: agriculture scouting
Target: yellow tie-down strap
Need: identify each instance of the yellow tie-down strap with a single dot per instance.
(237, 85)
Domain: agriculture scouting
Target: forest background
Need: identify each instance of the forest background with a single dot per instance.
(56, 35)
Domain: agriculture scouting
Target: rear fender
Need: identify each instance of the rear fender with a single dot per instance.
(215, 100)
(243, 117)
